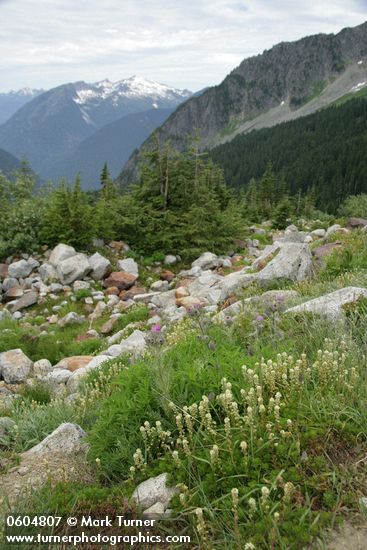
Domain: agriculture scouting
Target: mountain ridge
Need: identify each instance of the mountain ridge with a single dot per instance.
(291, 72)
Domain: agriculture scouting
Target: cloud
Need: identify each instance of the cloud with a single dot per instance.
(186, 44)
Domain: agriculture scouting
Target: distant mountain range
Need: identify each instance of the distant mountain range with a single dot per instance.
(11, 101)
(290, 80)
(113, 144)
(51, 127)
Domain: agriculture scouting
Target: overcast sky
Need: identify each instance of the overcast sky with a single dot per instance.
(184, 43)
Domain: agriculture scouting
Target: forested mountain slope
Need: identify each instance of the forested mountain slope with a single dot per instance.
(325, 150)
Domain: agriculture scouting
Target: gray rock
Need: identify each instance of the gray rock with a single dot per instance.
(48, 273)
(28, 299)
(331, 230)
(20, 269)
(15, 366)
(41, 368)
(154, 490)
(234, 282)
(160, 286)
(195, 271)
(60, 253)
(155, 511)
(164, 300)
(331, 305)
(293, 262)
(81, 285)
(8, 283)
(207, 260)
(100, 266)
(145, 298)
(58, 376)
(33, 263)
(129, 266)
(71, 318)
(66, 439)
(73, 268)
(170, 259)
(318, 234)
(135, 345)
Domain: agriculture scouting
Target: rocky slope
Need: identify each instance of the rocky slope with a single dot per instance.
(54, 123)
(289, 80)
(100, 291)
(209, 285)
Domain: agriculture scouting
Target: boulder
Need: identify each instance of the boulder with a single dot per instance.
(167, 275)
(58, 376)
(189, 302)
(356, 223)
(9, 283)
(152, 491)
(336, 228)
(107, 327)
(266, 255)
(14, 293)
(15, 366)
(47, 273)
(60, 253)
(74, 363)
(169, 259)
(164, 299)
(331, 305)
(145, 298)
(70, 318)
(100, 266)
(73, 268)
(19, 270)
(318, 233)
(66, 439)
(120, 279)
(41, 368)
(234, 282)
(129, 266)
(207, 260)
(326, 249)
(293, 262)
(28, 299)
(160, 286)
(135, 345)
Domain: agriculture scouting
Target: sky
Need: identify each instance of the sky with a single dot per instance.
(184, 43)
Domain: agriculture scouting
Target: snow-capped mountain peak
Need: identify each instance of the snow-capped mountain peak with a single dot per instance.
(134, 87)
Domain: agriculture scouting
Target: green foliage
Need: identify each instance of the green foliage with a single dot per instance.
(37, 392)
(352, 255)
(282, 214)
(21, 210)
(181, 205)
(68, 217)
(57, 344)
(354, 205)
